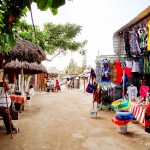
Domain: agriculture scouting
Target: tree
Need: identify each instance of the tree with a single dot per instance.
(72, 68)
(54, 39)
(61, 38)
(11, 12)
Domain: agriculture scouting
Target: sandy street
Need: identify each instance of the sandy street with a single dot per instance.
(61, 121)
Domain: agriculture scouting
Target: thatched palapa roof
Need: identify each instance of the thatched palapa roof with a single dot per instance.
(28, 68)
(26, 51)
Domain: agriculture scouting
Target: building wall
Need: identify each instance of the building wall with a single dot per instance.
(118, 45)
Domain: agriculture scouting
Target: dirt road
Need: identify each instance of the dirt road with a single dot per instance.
(61, 121)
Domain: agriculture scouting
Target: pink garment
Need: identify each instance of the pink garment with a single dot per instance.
(128, 72)
(143, 90)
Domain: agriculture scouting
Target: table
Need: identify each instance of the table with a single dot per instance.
(138, 111)
(18, 99)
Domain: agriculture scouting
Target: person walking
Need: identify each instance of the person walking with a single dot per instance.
(57, 86)
(5, 103)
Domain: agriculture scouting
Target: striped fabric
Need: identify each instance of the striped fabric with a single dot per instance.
(138, 111)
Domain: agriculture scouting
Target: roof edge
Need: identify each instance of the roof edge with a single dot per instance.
(140, 17)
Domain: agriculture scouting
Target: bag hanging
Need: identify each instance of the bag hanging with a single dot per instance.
(90, 88)
(14, 114)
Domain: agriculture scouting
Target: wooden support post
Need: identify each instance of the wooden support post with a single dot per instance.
(84, 84)
(123, 84)
(22, 82)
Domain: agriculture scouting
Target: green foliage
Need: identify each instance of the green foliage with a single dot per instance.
(72, 68)
(62, 37)
(44, 4)
(54, 38)
(53, 75)
(11, 12)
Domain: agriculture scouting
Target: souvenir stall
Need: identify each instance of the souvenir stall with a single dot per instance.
(133, 40)
(103, 71)
(16, 67)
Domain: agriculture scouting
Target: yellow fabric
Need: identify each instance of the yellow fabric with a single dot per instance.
(148, 42)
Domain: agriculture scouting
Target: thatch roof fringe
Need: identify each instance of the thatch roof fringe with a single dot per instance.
(33, 67)
(26, 51)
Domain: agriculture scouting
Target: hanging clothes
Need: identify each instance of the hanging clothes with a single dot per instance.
(127, 44)
(148, 43)
(112, 93)
(135, 48)
(128, 72)
(119, 72)
(105, 71)
(93, 75)
(147, 64)
(143, 90)
(105, 96)
(98, 71)
(97, 95)
(141, 64)
(128, 63)
(132, 92)
(142, 34)
(135, 67)
(118, 92)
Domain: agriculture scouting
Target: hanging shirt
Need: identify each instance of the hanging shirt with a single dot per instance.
(105, 72)
(135, 48)
(119, 72)
(143, 90)
(98, 71)
(128, 72)
(143, 34)
(141, 64)
(132, 92)
(128, 64)
(135, 67)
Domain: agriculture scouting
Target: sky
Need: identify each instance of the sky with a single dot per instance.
(99, 20)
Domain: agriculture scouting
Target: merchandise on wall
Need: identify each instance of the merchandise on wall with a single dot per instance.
(133, 40)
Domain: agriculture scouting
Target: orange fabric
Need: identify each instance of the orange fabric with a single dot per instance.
(17, 99)
(119, 72)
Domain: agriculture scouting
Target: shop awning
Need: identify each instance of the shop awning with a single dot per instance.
(144, 14)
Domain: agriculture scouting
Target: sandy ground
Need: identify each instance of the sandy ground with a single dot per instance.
(62, 121)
